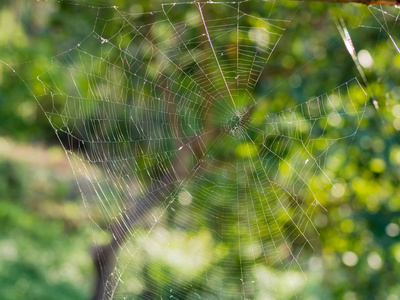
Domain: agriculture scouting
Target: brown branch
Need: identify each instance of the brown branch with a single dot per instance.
(366, 2)
(182, 167)
(104, 257)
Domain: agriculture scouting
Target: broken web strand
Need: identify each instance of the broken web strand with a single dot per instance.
(104, 185)
(349, 45)
(382, 15)
(385, 20)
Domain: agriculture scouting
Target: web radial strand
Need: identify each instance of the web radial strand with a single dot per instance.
(157, 112)
(384, 17)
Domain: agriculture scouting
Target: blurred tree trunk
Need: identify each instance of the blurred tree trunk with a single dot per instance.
(104, 256)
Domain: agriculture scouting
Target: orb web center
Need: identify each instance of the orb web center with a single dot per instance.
(237, 122)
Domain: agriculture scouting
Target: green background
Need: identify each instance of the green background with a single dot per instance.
(45, 232)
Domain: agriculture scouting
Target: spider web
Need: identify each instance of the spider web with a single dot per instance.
(185, 163)
(385, 19)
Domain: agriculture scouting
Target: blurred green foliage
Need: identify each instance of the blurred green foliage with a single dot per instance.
(44, 236)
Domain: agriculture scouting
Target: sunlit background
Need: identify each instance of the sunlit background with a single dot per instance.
(47, 234)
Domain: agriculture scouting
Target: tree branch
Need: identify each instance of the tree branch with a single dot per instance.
(366, 2)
